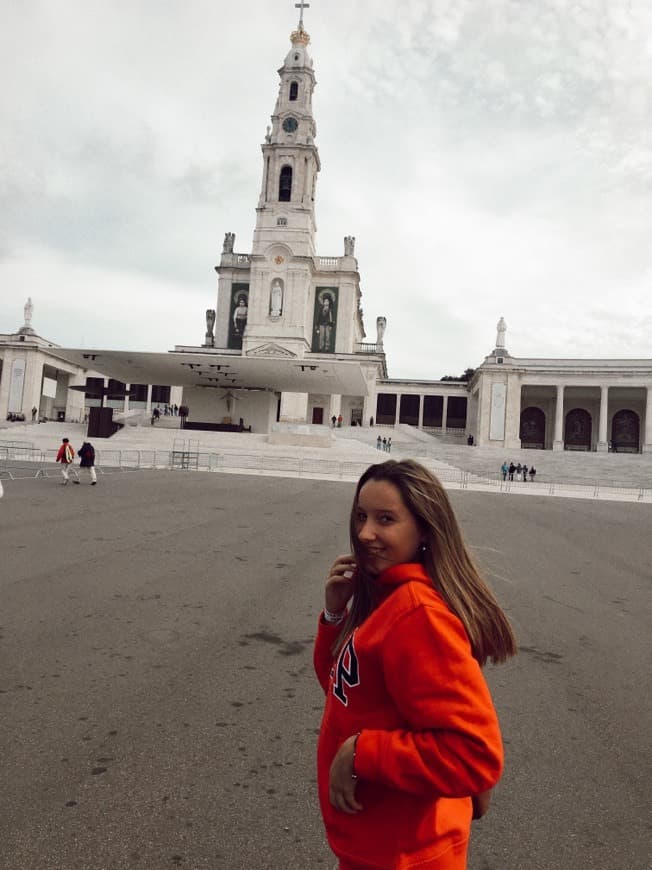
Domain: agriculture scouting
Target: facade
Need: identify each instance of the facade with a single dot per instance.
(286, 341)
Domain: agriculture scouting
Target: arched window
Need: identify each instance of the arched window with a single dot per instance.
(294, 90)
(285, 184)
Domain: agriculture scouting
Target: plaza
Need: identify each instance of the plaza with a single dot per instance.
(158, 701)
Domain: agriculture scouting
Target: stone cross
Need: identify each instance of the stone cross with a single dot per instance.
(301, 6)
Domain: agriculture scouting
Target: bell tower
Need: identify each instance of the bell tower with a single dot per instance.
(286, 207)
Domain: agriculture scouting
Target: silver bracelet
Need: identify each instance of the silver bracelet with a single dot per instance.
(334, 618)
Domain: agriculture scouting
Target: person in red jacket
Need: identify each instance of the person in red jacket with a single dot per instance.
(65, 456)
(409, 745)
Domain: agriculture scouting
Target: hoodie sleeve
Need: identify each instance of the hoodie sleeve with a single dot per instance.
(451, 744)
(322, 655)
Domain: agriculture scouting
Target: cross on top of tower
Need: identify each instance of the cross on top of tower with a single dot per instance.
(302, 5)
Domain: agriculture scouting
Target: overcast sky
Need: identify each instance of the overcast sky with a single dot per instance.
(491, 157)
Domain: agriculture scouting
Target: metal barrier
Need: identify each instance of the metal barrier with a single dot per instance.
(21, 462)
(18, 462)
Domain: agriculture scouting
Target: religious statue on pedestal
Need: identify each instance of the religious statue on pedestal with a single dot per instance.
(210, 323)
(229, 242)
(501, 326)
(381, 324)
(349, 246)
(276, 298)
(28, 310)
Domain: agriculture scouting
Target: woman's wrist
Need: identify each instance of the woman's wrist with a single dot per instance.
(334, 618)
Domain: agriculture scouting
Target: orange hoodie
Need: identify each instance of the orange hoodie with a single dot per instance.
(429, 735)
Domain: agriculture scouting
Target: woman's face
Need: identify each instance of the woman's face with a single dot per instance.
(386, 529)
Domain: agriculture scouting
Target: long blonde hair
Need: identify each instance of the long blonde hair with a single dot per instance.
(446, 559)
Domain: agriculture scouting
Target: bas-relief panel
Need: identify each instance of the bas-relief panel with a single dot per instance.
(16, 386)
(498, 406)
(325, 320)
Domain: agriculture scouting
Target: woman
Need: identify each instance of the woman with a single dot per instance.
(409, 739)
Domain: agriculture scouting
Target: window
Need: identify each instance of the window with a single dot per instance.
(285, 184)
(294, 90)
(281, 222)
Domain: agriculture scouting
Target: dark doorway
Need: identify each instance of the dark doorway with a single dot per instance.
(409, 412)
(317, 416)
(533, 429)
(386, 409)
(625, 432)
(578, 430)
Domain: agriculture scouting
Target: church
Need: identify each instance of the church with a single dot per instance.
(286, 344)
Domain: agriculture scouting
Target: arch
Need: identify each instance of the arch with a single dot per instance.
(625, 431)
(285, 184)
(533, 428)
(294, 91)
(578, 430)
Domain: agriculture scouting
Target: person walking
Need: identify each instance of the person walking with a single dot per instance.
(512, 469)
(524, 472)
(504, 468)
(409, 744)
(389, 445)
(379, 443)
(86, 455)
(65, 456)
(533, 471)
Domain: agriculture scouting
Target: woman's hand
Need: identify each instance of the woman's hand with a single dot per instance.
(341, 786)
(340, 583)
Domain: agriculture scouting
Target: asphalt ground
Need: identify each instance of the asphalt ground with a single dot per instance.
(158, 707)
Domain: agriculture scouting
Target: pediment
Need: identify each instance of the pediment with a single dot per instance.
(272, 349)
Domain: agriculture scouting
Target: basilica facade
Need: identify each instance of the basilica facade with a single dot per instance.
(286, 343)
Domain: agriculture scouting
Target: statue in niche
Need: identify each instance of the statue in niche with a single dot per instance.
(349, 246)
(28, 310)
(381, 324)
(210, 324)
(229, 242)
(240, 315)
(500, 335)
(276, 298)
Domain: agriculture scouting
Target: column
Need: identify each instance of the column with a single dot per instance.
(558, 443)
(647, 434)
(422, 402)
(149, 400)
(444, 415)
(603, 446)
(126, 402)
(397, 416)
(334, 408)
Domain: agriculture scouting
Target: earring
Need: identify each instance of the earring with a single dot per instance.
(423, 548)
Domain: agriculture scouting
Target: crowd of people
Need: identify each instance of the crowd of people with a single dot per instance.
(517, 472)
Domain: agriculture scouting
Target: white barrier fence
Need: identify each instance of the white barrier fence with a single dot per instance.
(19, 462)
